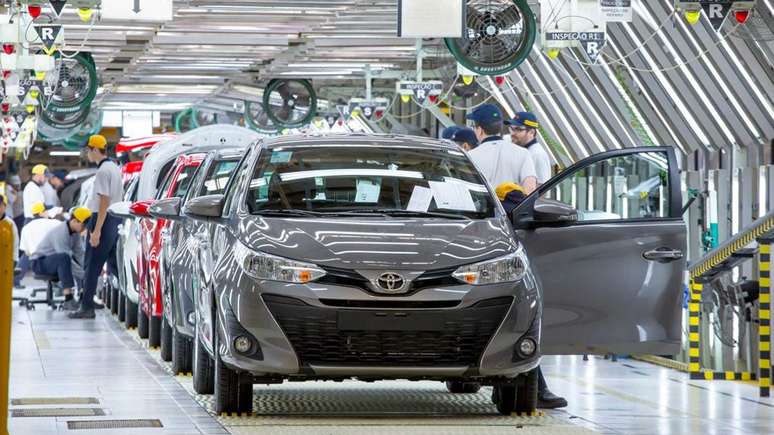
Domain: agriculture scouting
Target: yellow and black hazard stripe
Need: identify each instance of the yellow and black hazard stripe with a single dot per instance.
(728, 376)
(758, 229)
(694, 356)
(764, 316)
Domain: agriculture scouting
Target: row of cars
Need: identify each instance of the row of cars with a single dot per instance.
(331, 257)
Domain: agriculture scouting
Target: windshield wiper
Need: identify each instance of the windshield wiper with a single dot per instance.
(288, 212)
(401, 212)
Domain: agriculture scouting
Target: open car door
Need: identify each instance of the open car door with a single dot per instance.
(606, 239)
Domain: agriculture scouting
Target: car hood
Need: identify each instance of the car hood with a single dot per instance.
(376, 243)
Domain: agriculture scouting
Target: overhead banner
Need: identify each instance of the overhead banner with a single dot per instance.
(421, 91)
(431, 18)
(616, 10)
(591, 42)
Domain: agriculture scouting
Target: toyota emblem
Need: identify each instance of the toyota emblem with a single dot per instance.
(391, 282)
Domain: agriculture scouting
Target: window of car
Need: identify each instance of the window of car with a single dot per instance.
(217, 177)
(183, 181)
(356, 178)
(164, 174)
(634, 186)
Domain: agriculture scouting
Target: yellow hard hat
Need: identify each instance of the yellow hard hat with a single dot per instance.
(38, 208)
(39, 170)
(503, 189)
(97, 141)
(81, 214)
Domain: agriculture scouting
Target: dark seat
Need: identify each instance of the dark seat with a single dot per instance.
(49, 289)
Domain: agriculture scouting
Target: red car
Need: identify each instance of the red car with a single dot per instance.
(150, 308)
(133, 150)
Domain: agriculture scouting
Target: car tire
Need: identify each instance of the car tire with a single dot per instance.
(113, 300)
(230, 396)
(142, 323)
(504, 397)
(460, 387)
(527, 393)
(154, 332)
(182, 352)
(131, 313)
(121, 307)
(166, 339)
(203, 375)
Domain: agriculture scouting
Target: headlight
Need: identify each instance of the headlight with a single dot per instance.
(273, 268)
(509, 268)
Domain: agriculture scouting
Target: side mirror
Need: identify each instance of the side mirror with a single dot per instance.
(140, 208)
(206, 208)
(121, 210)
(168, 208)
(549, 211)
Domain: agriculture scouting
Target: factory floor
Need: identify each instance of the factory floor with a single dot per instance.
(68, 376)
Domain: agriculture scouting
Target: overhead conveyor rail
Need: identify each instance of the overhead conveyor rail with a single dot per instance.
(726, 251)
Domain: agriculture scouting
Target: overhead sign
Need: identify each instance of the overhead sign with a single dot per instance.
(431, 18)
(421, 91)
(716, 11)
(48, 34)
(138, 10)
(370, 109)
(616, 10)
(591, 42)
(331, 119)
(57, 6)
(24, 87)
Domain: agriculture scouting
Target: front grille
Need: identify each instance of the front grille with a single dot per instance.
(430, 278)
(335, 336)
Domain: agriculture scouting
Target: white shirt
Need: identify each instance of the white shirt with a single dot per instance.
(50, 195)
(34, 232)
(32, 194)
(542, 162)
(500, 161)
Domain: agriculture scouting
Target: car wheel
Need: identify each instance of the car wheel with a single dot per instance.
(113, 300)
(121, 307)
(154, 332)
(182, 350)
(527, 393)
(166, 339)
(142, 322)
(504, 397)
(131, 313)
(230, 396)
(459, 387)
(203, 375)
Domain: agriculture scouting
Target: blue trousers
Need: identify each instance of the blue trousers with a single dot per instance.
(96, 258)
(58, 265)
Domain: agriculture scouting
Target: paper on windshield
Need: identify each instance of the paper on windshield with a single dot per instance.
(367, 191)
(281, 156)
(452, 196)
(420, 199)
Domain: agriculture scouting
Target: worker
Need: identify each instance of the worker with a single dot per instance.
(524, 133)
(32, 234)
(499, 160)
(33, 191)
(511, 195)
(55, 254)
(51, 188)
(102, 228)
(14, 230)
(466, 138)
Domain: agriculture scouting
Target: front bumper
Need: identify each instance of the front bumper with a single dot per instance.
(326, 330)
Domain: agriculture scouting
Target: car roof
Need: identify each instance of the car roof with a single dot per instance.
(358, 139)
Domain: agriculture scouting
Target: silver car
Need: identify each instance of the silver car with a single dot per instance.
(388, 257)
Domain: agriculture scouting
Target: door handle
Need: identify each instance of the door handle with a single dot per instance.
(663, 255)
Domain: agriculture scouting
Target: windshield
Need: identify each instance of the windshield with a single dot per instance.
(364, 179)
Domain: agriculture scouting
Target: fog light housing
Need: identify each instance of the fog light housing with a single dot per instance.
(527, 347)
(243, 344)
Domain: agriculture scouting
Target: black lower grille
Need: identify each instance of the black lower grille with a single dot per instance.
(331, 336)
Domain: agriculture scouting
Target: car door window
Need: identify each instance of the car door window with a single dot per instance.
(633, 186)
(183, 181)
(217, 177)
